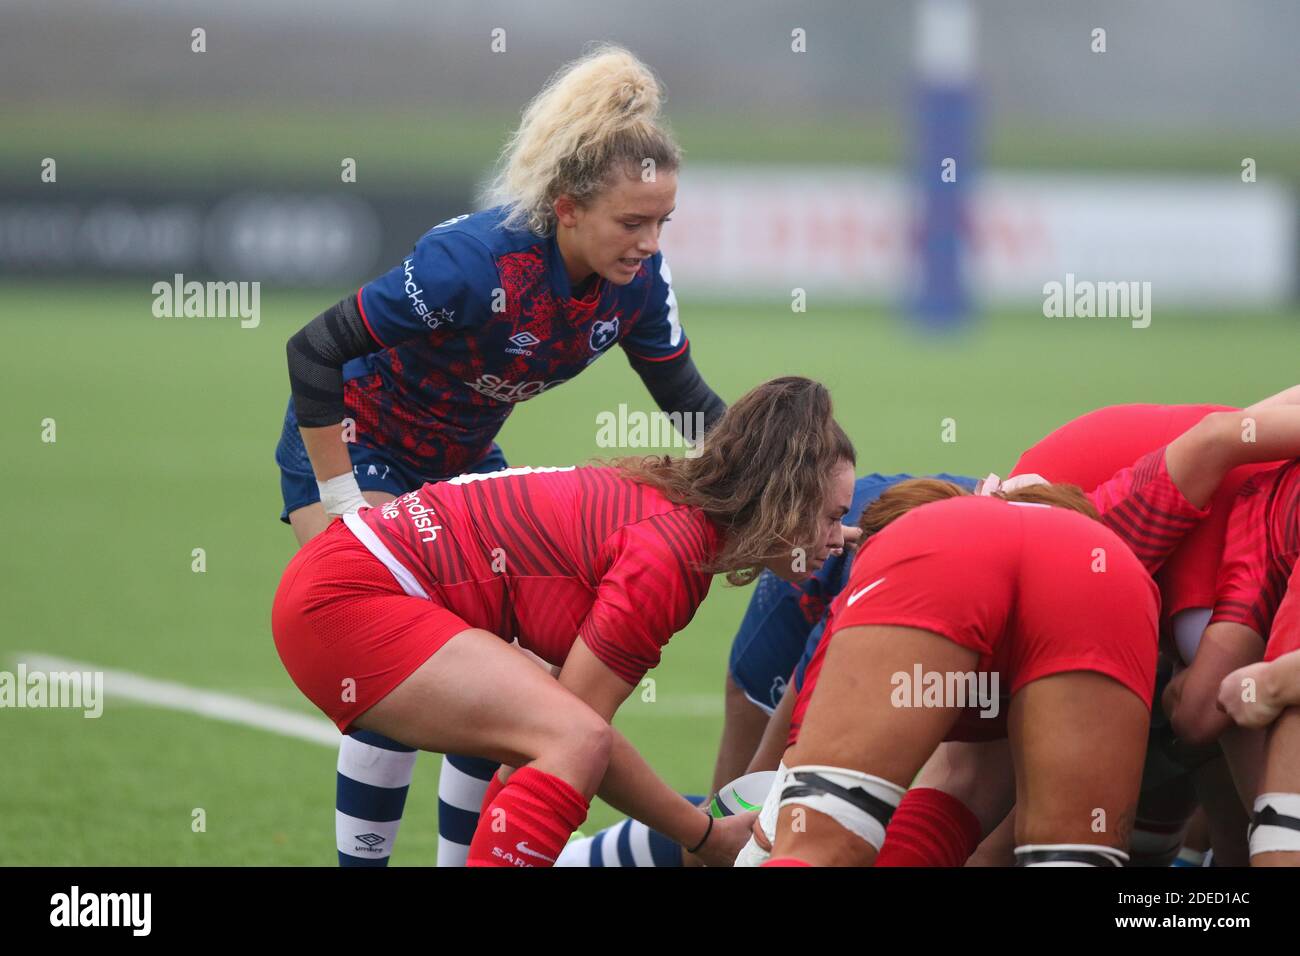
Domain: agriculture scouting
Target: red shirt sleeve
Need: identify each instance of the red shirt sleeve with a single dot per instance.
(1143, 506)
(1284, 628)
(649, 591)
(1246, 592)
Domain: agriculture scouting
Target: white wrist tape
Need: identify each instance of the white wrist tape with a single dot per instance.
(1275, 825)
(341, 495)
(859, 802)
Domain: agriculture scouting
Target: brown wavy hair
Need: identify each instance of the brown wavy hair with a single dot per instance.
(763, 473)
(901, 498)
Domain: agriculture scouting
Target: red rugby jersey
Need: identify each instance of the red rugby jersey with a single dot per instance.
(549, 555)
(1116, 455)
(1089, 449)
(1144, 507)
(1259, 553)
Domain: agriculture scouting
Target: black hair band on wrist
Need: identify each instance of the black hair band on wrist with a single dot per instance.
(703, 839)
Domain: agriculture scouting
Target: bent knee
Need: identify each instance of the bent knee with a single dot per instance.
(595, 739)
(583, 742)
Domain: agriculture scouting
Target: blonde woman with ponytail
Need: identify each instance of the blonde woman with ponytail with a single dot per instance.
(410, 379)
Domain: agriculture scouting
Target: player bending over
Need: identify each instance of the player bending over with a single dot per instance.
(489, 310)
(389, 621)
(1201, 457)
(956, 587)
(783, 613)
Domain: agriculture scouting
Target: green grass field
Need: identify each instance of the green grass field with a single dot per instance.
(165, 435)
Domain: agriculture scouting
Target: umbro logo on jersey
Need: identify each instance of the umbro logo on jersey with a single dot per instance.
(603, 333)
(861, 591)
(371, 840)
(523, 343)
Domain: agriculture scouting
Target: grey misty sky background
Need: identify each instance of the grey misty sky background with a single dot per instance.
(1171, 66)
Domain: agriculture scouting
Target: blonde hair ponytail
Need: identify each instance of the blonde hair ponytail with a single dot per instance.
(598, 112)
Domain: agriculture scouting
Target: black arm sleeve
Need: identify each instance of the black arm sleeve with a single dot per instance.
(677, 386)
(316, 355)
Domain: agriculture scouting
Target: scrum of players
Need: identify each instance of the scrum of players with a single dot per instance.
(1127, 585)
(1094, 662)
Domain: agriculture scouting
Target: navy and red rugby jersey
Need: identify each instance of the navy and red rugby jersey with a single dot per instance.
(478, 318)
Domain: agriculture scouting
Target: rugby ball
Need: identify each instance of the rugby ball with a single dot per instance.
(743, 795)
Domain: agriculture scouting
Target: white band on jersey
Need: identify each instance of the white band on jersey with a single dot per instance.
(1275, 825)
(401, 573)
(341, 495)
(859, 802)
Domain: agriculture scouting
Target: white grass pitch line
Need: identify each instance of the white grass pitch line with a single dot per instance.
(195, 700)
(232, 709)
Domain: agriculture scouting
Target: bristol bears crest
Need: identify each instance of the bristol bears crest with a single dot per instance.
(603, 333)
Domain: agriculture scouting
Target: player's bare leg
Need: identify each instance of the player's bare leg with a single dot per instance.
(771, 749)
(1197, 841)
(1244, 753)
(853, 724)
(1079, 740)
(1275, 832)
(981, 774)
(453, 704)
(743, 723)
(1226, 819)
(367, 805)
(999, 847)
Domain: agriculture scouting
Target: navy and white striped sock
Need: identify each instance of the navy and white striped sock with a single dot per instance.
(374, 775)
(626, 843)
(462, 782)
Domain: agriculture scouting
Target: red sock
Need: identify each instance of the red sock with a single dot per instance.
(929, 828)
(785, 861)
(529, 821)
(494, 787)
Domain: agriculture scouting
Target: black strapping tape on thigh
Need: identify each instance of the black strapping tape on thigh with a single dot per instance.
(1268, 817)
(811, 784)
(1066, 856)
